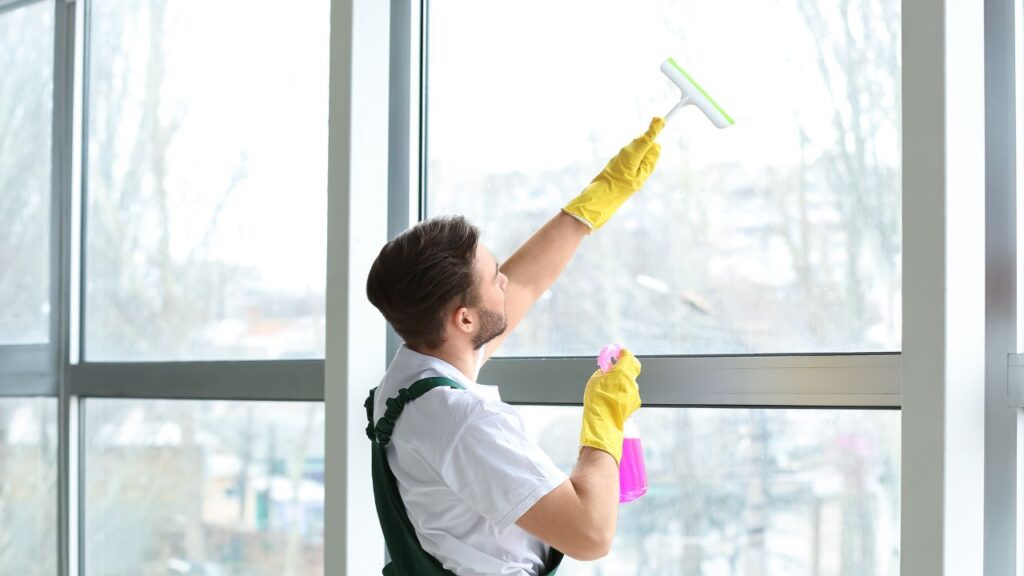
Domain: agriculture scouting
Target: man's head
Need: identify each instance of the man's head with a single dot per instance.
(435, 282)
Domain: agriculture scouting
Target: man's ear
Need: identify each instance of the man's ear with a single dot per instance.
(462, 320)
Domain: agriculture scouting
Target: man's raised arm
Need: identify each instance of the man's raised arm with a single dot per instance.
(538, 262)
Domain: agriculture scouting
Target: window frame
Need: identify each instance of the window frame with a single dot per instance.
(58, 369)
(769, 380)
(281, 380)
(54, 369)
(782, 381)
(865, 381)
(31, 369)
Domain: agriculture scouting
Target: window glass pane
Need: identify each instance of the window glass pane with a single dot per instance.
(750, 492)
(190, 487)
(207, 180)
(28, 486)
(780, 234)
(1018, 69)
(26, 112)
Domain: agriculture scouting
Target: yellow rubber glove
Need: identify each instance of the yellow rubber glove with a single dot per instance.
(622, 176)
(607, 402)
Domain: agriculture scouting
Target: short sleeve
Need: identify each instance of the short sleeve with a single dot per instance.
(497, 469)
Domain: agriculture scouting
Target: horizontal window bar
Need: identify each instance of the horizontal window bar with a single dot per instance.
(26, 358)
(842, 381)
(28, 370)
(299, 380)
(871, 380)
(27, 385)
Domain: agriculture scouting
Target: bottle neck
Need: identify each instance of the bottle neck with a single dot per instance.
(630, 429)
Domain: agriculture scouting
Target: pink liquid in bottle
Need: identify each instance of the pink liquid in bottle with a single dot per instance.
(632, 471)
(632, 468)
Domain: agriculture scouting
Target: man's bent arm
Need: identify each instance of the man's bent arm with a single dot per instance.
(535, 266)
(579, 516)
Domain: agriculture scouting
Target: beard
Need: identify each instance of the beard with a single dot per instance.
(492, 325)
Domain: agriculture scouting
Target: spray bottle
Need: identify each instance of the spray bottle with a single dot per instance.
(632, 469)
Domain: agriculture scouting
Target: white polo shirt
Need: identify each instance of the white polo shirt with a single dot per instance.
(466, 471)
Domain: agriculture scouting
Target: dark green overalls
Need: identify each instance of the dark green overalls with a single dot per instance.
(408, 558)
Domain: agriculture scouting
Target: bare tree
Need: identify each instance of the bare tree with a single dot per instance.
(26, 96)
(135, 280)
(857, 47)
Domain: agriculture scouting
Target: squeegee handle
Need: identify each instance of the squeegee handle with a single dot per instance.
(679, 105)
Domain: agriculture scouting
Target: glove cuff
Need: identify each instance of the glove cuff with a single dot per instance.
(609, 440)
(578, 217)
(597, 203)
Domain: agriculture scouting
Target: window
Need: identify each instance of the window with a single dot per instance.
(28, 417)
(757, 273)
(204, 209)
(187, 487)
(778, 235)
(751, 491)
(207, 181)
(167, 163)
(26, 114)
(28, 483)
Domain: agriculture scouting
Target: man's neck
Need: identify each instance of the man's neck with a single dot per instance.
(462, 358)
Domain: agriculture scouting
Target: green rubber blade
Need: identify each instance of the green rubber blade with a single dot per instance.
(705, 94)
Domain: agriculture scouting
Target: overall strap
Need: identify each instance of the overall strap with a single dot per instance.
(381, 431)
(407, 555)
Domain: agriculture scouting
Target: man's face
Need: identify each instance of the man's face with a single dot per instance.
(490, 284)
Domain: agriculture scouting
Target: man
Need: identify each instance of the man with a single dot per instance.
(480, 498)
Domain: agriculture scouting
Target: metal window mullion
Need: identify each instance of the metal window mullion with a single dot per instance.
(847, 381)
(278, 380)
(404, 165)
(83, 187)
(63, 115)
(76, 488)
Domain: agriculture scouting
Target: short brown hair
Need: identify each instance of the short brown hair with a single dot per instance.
(422, 274)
